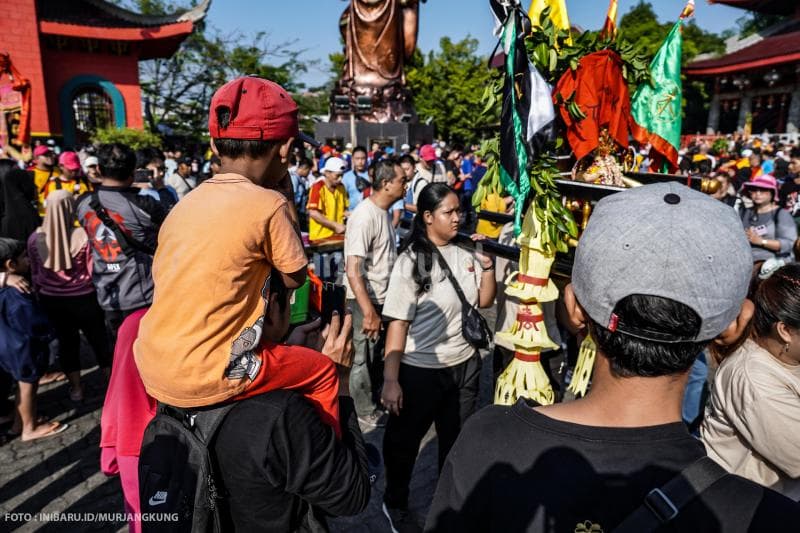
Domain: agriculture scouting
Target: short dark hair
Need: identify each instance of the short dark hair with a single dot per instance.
(777, 299)
(359, 149)
(634, 356)
(384, 172)
(407, 159)
(237, 148)
(146, 156)
(10, 250)
(304, 162)
(117, 161)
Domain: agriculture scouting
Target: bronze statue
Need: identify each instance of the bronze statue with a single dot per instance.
(380, 36)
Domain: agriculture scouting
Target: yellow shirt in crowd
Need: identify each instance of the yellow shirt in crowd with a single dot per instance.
(331, 203)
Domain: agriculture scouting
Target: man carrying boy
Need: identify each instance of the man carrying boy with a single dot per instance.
(200, 343)
(370, 253)
(660, 272)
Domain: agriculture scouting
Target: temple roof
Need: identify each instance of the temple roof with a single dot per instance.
(158, 35)
(773, 50)
(769, 7)
(107, 15)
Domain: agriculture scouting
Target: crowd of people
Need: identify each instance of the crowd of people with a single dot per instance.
(181, 271)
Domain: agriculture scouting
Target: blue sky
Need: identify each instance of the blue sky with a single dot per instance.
(314, 23)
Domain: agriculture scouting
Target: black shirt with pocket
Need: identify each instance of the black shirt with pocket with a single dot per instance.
(284, 470)
(514, 469)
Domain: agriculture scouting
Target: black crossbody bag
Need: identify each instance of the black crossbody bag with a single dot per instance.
(473, 326)
(666, 502)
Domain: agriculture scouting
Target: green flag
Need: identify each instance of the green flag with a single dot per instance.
(656, 106)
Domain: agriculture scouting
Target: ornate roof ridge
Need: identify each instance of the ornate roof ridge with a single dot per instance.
(196, 14)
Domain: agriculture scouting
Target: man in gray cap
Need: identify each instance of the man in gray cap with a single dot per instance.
(660, 272)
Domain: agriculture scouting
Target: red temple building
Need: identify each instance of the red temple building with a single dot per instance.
(756, 83)
(80, 59)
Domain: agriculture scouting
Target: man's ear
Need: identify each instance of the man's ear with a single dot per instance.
(286, 149)
(736, 329)
(214, 148)
(575, 316)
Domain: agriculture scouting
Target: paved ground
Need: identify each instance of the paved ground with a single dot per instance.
(61, 474)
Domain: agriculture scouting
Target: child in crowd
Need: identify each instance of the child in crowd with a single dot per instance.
(201, 342)
(24, 337)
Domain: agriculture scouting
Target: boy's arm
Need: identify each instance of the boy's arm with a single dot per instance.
(284, 248)
(372, 320)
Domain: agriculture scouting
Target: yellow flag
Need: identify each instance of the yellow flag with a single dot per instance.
(558, 14)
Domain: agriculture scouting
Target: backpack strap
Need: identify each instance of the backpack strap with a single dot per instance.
(204, 422)
(128, 243)
(665, 503)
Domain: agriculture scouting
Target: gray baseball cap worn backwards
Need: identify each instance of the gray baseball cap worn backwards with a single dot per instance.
(663, 240)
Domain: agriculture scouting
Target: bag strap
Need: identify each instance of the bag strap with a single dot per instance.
(665, 503)
(205, 422)
(449, 273)
(128, 243)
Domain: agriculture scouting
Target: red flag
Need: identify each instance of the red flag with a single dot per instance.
(609, 30)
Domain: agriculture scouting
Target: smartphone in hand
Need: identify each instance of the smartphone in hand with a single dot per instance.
(333, 299)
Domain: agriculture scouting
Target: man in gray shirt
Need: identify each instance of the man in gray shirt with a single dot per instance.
(370, 252)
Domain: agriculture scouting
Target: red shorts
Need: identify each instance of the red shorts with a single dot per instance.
(303, 370)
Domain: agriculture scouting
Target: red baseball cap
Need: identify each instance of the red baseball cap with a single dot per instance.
(41, 150)
(428, 153)
(70, 160)
(260, 110)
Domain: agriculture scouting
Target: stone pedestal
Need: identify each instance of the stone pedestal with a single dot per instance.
(392, 134)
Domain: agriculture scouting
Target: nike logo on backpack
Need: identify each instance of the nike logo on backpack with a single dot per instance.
(158, 498)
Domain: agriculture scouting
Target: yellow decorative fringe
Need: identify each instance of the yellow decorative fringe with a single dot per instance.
(523, 379)
(583, 368)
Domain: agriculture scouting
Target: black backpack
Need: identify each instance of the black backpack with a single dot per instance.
(177, 471)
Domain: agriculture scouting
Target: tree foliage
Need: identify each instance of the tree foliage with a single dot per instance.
(447, 86)
(132, 137)
(177, 90)
(640, 25)
(755, 22)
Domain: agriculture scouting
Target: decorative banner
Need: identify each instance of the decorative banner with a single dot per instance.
(10, 114)
(17, 126)
(656, 106)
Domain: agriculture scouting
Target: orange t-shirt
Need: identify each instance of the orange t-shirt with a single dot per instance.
(198, 344)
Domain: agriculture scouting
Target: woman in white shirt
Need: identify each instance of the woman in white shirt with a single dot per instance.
(752, 423)
(430, 371)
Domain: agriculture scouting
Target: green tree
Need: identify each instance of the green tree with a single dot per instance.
(755, 22)
(447, 87)
(177, 90)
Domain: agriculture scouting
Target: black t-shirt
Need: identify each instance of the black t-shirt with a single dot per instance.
(513, 469)
(284, 469)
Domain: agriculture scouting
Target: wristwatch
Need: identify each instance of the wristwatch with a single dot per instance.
(763, 243)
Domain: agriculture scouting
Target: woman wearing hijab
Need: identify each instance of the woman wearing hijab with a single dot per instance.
(18, 215)
(61, 268)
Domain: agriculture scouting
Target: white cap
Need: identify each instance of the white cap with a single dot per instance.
(334, 164)
(405, 146)
(89, 161)
(349, 146)
(747, 152)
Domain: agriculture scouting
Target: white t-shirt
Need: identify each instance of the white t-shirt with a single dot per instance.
(752, 423)
(370, 235)
(434, 336)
